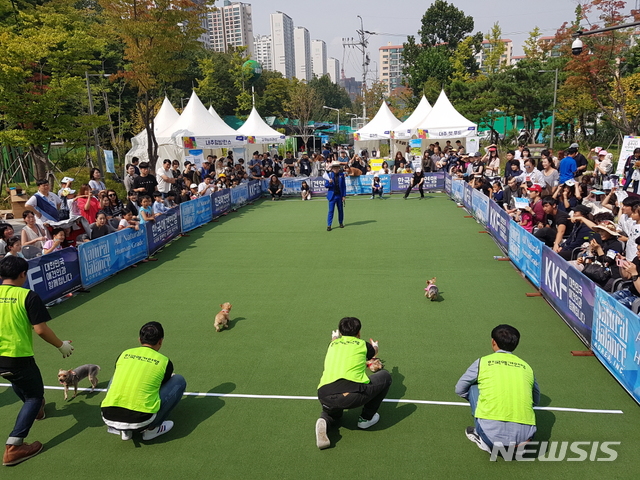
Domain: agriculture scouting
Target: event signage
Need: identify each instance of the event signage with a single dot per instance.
(498, 225)
(106, 256)
(467, 199)
(54, 275)
(255, 189)
(629, 144)
(162, 230)
(220, 202)
(195, 213)
(570, 292)
(525, 251)
(480, 206)
(316, 186)
(239, 195)
(616, 341)
(447, 183)
(457, 189)
(432, 181)
(361, 185)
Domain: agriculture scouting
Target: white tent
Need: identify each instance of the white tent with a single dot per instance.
(165, 117)
(446, 122)
(409, 127)
(379, 128)
(256, 130)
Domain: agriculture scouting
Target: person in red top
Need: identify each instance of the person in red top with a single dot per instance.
(88, 204)
(535, 203)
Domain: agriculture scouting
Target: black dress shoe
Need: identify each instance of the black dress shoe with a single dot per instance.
(328, 229)
(341, 226)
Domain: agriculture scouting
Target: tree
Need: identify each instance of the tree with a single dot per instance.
(156, 35)
(494, 51)
(444, 24)
(273, 93)
(373, 98)
(463, 64)
(331, 94)
(531, 47)
(216, 85)
(303, 103)
(44, 52)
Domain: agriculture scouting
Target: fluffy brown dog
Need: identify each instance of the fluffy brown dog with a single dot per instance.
(352, 172)
(72, 377)
(375, 364)
(222, 318)
(431, 292)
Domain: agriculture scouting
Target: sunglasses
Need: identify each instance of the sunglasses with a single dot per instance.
(112, 195)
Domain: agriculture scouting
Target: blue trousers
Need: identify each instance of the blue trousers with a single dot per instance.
(333, 202)
(170, 394)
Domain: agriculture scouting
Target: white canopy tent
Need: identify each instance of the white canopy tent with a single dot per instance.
(379, 128)
(165, 117)
(196, 129)
(258, 133)
(408, 129)
(445, 122)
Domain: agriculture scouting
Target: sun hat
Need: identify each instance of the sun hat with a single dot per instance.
(193, 185)
(336, 163)
(66, 180)
(608, 227)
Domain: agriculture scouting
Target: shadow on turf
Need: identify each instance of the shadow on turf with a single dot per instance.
(544, 420)
(7, 396)
(232, 323)
(85, 416)
(361, 222)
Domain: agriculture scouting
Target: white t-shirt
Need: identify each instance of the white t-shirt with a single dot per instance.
(163, 186)
(632, 230)
(52, 198)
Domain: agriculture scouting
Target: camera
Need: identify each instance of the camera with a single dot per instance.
(576, 46)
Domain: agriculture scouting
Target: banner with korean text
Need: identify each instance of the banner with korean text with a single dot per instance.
(54, 275)
(570, 293)
(467, 198)
(195, 213)
(106, 256)
(525, 251)
(162, 230)
(432, 181)
(220, 202)
(616, 341)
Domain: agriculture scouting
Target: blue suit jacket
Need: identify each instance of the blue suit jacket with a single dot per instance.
(339, 181)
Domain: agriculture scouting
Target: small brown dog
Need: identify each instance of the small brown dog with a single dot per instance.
(222, 318)
(375, 364)
(431, 292)
(352, 172)
(72, 377)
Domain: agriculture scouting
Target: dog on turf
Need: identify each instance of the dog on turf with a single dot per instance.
(375, 364)
(431, 292)
(222, 318)
(69, 378)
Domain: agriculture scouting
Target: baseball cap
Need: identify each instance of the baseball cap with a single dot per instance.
(66, 180)
(535, 188)
(574, 145)
(603, 152)
(193, 185)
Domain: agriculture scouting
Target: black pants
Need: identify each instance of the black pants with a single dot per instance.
(275, 193)
(547, 235)
(371, 397)
(375, 191)
(406, 194)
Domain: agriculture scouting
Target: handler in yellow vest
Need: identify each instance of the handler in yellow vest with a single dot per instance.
(502, 391)
(143, 390)
(345, 384)
(21, 310)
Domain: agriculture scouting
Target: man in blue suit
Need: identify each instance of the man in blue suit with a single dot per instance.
(336, 193)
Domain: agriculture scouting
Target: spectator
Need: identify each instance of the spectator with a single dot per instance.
(512, 170)
(65, 183)
(170, 201)
(6, 232)
(630, 170)
(33, 234)
(55, 244)
(305, 192)
(129, 177)
(144, 389)
(95, 182)
(100, 228)
(207, 187)
(190, 175)
(550, 176)
(134, 162)
(581, 233)
(428, 163)
(535, 204)
(492, 160)
(517, 155)
(629, 271)
(204, 170)
(44, 204)
(14, 247)
(524, 219)
(629, 225)
(88, 205)
(289, 164)
(159, 206)
(132, 202)
(146, 213)
(376, 187)
(530, 175)
(398, 159)
(115, 203)
(127, 220)
(603, 249)
(557, 225)
(416, 181)
(581, 160)
(566, 196)
(105, 207)
(568, 166)
(497, 194)
(510, 194)
(165, 178)
(145, 184)
(194, 191)
(278, 169)
(305, 165)
(275, 187)
(177, 176)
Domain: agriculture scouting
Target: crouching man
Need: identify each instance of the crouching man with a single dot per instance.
(143, 390)
(502, 391)
(345, 384)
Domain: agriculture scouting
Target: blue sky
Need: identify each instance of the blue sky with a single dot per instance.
(331, 20)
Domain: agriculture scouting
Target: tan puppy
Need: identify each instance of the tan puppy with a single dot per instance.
(72, 377)
(375, 364)
(431, 292)
(222, 318)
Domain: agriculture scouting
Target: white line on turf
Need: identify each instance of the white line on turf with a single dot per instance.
(388, 400)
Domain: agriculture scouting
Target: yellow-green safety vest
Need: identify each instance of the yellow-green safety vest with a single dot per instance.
(346, 358)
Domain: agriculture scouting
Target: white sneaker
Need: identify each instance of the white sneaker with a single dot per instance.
(362, 423)
(126, 434)
(157, 431)
(113, 430)
(322, 441)
(472, 435)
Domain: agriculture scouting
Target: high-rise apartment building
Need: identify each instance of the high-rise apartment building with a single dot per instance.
(302, 49)
(319, 57)
(333, 69)
(262, 51)
(390, 63)
(505, 58)
(282, 44)
(231, 26)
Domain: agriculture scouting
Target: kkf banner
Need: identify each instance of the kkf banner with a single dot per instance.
(255, 189)
(220, 202)
(106, 256)
(498, 225)
(54, 275)
(570, 292)
(616, 341)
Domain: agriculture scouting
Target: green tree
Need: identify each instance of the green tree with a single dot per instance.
(531, 47)
(273, 94)
(444, 24)
(303, 102)
(494, 51)
(216, 85)
(331, 94)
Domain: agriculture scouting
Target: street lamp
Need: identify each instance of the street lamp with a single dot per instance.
(95, 129)
(337, 110)
(182, 102)
(553, 114)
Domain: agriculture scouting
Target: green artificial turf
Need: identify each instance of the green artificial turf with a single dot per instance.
(290, 281)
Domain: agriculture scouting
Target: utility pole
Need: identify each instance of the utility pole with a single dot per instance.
(361, 44)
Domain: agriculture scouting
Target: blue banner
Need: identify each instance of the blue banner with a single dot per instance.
(498, 225)
(255, 189)
(467, 198)
(195, 213)
(457, 189)
(432, 181)
(361, 185)
(105, 256)
(447, 183)
(162, 230)
(316, 185)
(54, 275)
(480, 206)
(220, 202)
(239, 195)
(525, 251)
(570, 292)
(616, 341)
